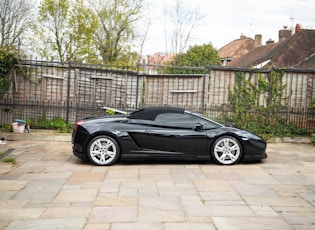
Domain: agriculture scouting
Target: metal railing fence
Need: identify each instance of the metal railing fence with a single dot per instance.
(72, 91)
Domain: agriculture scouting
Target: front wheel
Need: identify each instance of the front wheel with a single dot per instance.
(103, 151)
(226, 150)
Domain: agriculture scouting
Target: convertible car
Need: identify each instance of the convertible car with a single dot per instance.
(163, 132)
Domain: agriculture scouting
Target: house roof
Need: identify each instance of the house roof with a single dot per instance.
(237, 48)
(160, 58)
(307, 63)
(285, 54)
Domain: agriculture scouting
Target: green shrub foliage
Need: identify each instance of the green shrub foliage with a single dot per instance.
(7, 62)
(258, 105)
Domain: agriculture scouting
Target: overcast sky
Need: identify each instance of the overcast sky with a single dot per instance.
(225, 20)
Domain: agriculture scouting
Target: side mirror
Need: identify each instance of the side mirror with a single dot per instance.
(199, 126)
(227, 124)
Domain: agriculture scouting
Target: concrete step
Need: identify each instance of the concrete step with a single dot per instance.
(37, 135)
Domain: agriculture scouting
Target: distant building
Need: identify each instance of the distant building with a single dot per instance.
(238, 48)
(294, 50)
(159, 58)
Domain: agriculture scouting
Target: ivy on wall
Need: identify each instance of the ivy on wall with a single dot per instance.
(255, 105)
(7, 62)
(245, 98)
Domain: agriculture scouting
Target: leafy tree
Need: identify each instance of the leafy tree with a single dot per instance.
(196, 56)
(84, 24)
(129, 59)
(51, 29)
(117, 21)
(65, 30)
(15, 17)
(7, 61)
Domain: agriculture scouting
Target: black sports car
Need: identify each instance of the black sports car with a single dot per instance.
(163, 132)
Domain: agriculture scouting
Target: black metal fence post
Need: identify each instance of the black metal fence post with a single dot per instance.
(68, 93)
(270, 94)
(203, 102)
(137, 88)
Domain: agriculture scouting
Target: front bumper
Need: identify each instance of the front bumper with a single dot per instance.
(255, 150)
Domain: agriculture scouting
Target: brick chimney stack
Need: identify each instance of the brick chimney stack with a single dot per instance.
(284, 34)
(258, 39)
(297, 28)
(270, 41)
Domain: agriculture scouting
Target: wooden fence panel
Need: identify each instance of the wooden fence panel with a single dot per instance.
(73, 91)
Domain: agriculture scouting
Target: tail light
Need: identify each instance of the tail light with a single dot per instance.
(77, 123)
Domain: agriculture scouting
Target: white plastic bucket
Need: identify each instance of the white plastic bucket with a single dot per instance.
(18, 128)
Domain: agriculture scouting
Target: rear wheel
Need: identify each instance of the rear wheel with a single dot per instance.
(226, 150)
(103, 151)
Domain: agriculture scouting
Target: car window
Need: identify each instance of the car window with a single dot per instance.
(140, 121)
(180, 120)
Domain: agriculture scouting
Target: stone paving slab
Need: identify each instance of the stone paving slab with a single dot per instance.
(49, 188)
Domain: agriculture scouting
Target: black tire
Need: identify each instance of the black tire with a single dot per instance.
(103, 150)
(226, 150)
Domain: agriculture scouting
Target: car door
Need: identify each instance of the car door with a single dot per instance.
(175, 134)
(137, 131)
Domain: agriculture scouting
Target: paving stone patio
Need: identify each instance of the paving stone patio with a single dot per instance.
(49, 188)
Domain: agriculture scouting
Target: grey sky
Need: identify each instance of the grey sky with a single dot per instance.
(225, 20)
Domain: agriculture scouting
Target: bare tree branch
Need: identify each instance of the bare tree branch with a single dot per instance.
(15, 18)
(183, 22)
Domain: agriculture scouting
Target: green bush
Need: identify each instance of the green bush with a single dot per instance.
(56, 123)
(6, 128)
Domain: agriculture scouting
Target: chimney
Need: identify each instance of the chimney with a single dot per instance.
(284, 34)
(257, 42)
(297, 28)
(270, 41)
(242, 36)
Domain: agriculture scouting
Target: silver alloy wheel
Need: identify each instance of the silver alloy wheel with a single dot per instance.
(103, 150)
(227, 150)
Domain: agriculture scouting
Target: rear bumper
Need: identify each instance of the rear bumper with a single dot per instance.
(78, 144)
(80, 155)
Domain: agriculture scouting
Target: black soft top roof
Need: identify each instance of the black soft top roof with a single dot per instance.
(151, 113)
